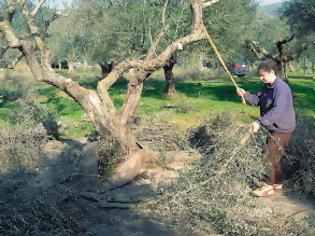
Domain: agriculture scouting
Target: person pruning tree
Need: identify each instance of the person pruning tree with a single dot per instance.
(277, 116)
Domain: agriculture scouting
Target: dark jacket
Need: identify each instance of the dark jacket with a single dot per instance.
(276, 106)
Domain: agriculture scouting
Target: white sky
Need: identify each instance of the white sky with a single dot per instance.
(266, 2)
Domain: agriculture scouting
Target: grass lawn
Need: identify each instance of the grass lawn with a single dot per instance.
(197, 97)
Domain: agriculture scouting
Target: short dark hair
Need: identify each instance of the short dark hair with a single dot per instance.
(268, 65)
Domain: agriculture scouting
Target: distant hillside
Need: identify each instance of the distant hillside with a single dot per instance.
(272, 9)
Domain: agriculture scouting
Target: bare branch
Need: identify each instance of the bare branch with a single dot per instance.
(209, 3)
(155, 44)
(177, 22)
(285, 40)
(37, 8)
(150, 32)
(163, 13)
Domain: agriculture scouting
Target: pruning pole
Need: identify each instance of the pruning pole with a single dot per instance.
(221, 61)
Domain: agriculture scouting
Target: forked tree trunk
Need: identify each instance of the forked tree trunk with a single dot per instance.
(113, 125)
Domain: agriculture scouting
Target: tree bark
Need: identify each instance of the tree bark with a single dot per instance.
(106, 67)
(70, 67)
(169, 76)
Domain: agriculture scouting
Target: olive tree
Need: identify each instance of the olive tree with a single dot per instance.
(112, 124)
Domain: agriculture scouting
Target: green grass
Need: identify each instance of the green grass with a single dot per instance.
(197, 97)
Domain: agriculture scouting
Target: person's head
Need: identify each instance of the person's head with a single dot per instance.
(268, 71)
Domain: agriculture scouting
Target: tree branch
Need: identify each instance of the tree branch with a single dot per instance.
(35, 32)
(208, 3)
(155, 44)
(285, 40)
(164, 12)
(260, 52)
(37, 8)
(110, 79)
(11, 39)
(149, 66)
(54, 17)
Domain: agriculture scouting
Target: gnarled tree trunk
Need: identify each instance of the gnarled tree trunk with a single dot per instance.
(112, 125)
(169, 76)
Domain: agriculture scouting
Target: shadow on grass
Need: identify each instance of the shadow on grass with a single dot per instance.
(64, 106)
(90, 82)
(300, 77)
(218, 91)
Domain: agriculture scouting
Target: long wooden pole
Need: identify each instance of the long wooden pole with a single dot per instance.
(221, 60)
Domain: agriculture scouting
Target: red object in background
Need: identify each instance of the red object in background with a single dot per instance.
(236, 65)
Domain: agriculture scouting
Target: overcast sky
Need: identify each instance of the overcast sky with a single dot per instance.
(266, 2)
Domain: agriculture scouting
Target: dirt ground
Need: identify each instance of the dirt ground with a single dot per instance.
(77, 201)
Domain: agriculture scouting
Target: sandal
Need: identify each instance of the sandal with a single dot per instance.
(277, 187)
(264, 191)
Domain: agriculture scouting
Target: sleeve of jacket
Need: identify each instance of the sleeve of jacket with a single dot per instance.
(273, 115)
(252, 99)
